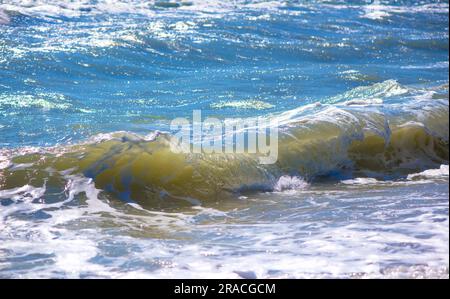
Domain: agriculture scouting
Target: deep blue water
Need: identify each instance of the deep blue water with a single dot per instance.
(91, 68)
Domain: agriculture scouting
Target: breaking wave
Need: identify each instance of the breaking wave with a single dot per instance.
(320, 140)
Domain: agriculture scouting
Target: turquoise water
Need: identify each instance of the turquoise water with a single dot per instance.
(360, 188)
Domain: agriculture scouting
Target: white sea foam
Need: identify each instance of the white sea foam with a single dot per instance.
(362, 181)
(45, 101)
(436, 65)
(374, 92)
(364, 102)
(68, 8)
(82, 7)
(306, 240)
(245, 104)
(290, 183)
(4, 18)
(423, 177)
(4, 162)
(376, 11)
(379, 11)
(442, 172)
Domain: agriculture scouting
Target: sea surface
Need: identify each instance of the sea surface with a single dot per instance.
(89, 184)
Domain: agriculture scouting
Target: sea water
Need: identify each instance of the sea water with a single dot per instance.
(89, 187)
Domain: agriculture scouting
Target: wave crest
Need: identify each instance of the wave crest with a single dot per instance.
(315, 141)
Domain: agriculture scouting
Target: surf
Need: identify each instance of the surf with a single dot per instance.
(314, 142)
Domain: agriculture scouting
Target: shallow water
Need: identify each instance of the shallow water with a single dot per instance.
(360, 90)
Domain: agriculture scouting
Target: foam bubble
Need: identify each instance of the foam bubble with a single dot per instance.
(379, 11)
(246, 104)
(442, 172)
(4, 162)
(362, 181)
(364, 102)
(290, 183)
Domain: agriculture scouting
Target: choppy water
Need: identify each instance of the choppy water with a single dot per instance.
(360, 189)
